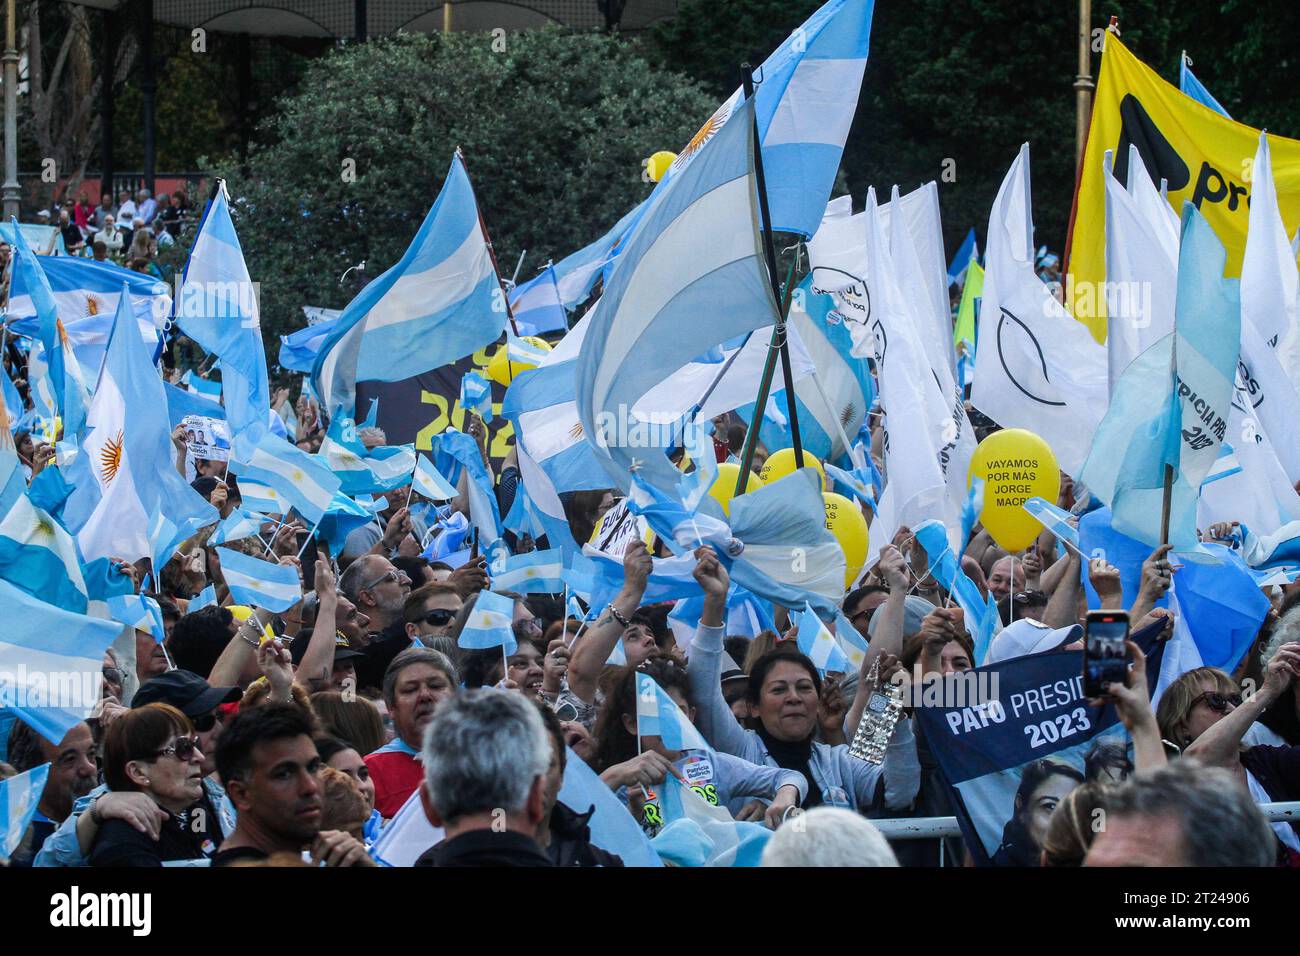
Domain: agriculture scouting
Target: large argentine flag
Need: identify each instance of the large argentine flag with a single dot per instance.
(696, 253)
(440, 302)
(805, 105)
(86, 293)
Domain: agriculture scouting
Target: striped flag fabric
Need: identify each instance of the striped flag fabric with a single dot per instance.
(476, 395)
(489, 624)
(818, 644)
(1054, 519)
(205, 598)
(537, 572)
(657, 715)
(536, 305)
(302, 482)
(429, 481)
(40, 556)
(260, 583)
(241, 523)
(19, 797)
(138, 611)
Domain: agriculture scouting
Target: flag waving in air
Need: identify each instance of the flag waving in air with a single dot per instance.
(440, 302)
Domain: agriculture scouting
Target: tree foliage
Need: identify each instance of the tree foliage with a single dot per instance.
(553, 130)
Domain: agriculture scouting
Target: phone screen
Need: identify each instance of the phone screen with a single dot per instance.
(1105, 659)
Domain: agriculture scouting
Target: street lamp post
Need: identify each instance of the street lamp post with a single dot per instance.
(9, 192)
(1083, 84)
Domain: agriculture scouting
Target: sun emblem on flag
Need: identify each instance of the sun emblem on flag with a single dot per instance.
(92, 305)
(847, 414)
(706, 132)
(576, 431)
(110, 458)
(63, 333)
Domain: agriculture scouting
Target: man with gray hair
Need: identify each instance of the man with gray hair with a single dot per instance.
(828, 836)
(485, 757)
(1182, 814)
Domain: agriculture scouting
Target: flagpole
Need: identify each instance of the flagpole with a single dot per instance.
(496, 269)
(779, 343)
(769, 250)
(764, 389)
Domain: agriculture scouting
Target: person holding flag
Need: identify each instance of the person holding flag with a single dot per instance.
(645, 732)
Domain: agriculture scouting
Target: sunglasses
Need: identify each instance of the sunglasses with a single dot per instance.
(182, 748)
(439, 616)
(112, 675)
(388, 576)
(1218, 702)
(205, 723)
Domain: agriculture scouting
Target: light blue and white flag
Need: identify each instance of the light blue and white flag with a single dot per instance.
(260, 583)
(1054, 519)
(454, 451)
(440, 302)
(537, 306)
(205, 598)
(1279, 549)
(343, 516)
(696, 251)
(1225, 466)
(362, 470)
(241, 523)
(138, 611)
(967, 253)
(199, 385)
(126, 474)
(476, 395)
(489, 624)
(429, 481)
(1172, 404)
(63, 379)
(217, 307)
(806, 99)
(86, 293)
(261, 497)
(19, 797)
(658, 716)
(1191, 86)
(613, 829)
(537, 572)
(39, 556)
(576, 274)
(51, 662)
(856, 482)
(300, 481)
(298, 350)
(818, 644)
(981, 614)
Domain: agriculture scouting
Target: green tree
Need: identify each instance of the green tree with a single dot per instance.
(553, 129)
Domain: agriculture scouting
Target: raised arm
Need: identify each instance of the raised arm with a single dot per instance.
(1220, 744)
(1156, 578)
(712, 715)
(888, 638)
(593, 650)
(317, 662)
(1133, 702)
(1063, 606)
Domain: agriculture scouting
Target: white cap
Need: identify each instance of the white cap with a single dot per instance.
(1027, 636)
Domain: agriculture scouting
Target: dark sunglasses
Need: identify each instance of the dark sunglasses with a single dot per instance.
(205, 723)
(1218, 702)
(112, 675)
(1029, 597)
(182, 748)
(439, 616)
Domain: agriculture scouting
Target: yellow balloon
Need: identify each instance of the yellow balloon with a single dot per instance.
(658, 164)
(844, 520)
(782, 463)
(724, 486)
(1016, 465)
(501, 370)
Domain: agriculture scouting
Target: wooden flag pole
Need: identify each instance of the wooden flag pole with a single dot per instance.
(764, 389)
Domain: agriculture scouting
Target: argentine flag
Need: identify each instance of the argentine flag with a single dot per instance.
(489, 624)
(429, 481)
(818, 644)
(696, 252)
(298, 480)
(657, 715)
(50, 662)
(19, 797)
(576, 274)
(260, 583)
(439, 303)
(298, 350)
(138, 611)
(38, 555)
(536, 305)
(476, 396)
(125, 475)
(242, 523)
(537, 572)
(361, 470)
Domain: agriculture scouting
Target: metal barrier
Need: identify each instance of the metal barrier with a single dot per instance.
(933, 828)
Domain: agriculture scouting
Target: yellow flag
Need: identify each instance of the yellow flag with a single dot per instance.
(1204, 157)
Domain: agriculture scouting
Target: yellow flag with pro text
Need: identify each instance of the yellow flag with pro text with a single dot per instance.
(1203, 156)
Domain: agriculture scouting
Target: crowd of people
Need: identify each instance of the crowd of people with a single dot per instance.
(128, 232)
(251, 738)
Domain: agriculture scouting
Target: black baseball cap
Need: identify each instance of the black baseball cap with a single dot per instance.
(186, 691)
(342, 649)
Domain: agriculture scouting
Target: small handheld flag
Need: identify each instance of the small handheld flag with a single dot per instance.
(658, 716)
(818, 643)
(489, 624)
(253, 581)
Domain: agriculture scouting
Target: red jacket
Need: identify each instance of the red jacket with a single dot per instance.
(397, 773)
